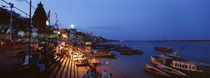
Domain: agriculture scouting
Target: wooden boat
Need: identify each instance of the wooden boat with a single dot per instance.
(182, 48)
(82, 63)
(130, 52)
(164, 48)
(179, 63)
(170, 70)
(104, 55)
(155, 71)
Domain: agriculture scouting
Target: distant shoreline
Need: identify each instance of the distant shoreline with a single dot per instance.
(159, 40)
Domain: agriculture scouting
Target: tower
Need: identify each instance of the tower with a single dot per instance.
(39, 19)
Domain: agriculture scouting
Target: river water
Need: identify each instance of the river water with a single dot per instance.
(132, 66)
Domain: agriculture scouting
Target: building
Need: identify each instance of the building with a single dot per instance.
(72, 34)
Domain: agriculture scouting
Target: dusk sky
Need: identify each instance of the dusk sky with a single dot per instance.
(131, 19)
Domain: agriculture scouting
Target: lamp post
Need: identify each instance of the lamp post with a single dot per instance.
(11, 6)
(58, 33)
(48, 30)
(72, 26)
(57, 51)
(30, 25)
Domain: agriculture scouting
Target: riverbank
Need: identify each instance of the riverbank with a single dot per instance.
(109, 69)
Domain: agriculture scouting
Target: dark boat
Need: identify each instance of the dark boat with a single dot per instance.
(130, 52)
(82, 63)
(126, 53)
(182, 48)
(121, 49)
(164, 48)
(155, 71)
(103, 54)
(171, 70)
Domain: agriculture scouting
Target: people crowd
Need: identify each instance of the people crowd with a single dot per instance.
(92, 73)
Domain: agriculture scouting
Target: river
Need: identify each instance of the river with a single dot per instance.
(132, 66)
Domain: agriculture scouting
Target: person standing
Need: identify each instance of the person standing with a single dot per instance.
(86, 75)
(110, 75)
(105, 74)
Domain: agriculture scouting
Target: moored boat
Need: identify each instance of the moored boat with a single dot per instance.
(102, 53)
(164, 48)
(155, 71)
(182, 48)
(170, 70)
(82, 63)
(179, 63)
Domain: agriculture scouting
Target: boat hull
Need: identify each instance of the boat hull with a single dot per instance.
(155, 71)
(170, 70)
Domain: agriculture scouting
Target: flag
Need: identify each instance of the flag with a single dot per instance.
(48, 16)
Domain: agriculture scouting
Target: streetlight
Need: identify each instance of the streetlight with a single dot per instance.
(47, 23)
(64, 35)
(58, 32)
(11, 6)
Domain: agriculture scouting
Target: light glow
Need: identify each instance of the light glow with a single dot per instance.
(58, 32)
(47, 22)
(72, 25)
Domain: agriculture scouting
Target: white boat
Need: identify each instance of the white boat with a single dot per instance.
(179, 63)
(155, 71)
(170, 70)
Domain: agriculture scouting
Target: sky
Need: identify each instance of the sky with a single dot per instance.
(131, 19)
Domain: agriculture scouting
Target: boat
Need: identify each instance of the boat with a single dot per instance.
(170, 70)
(179, 63)
(164, 48)
(155, 71)
(182, 48)
(121, 49)
(130, 52)
(126, 53)
(82, 63)
(102, 54)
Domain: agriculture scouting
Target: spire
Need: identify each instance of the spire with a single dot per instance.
(40, 4)
(39, 18)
